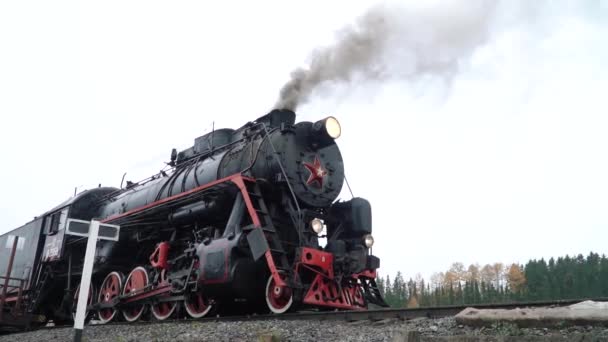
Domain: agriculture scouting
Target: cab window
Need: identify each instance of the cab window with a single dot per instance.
(51, 225)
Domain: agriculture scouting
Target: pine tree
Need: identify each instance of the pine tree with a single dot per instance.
(451, 295)
(562, 278)
(568, 278)
(592, 274)
(388, 297)
(554, 288)
(380, 284)
(399, 291)
(459, 294)
(422, 296)
(438, 299)
(603, 276)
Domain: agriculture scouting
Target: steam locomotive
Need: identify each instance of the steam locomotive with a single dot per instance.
(245, 219)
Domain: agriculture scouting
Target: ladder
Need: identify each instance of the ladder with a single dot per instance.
(35, 296)
(275, 246)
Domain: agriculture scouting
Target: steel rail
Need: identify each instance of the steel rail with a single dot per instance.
(352, 316)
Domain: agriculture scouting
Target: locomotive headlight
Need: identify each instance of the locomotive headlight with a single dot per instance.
(326, 131)
(332, 127)
(316, 225)
(368, 240)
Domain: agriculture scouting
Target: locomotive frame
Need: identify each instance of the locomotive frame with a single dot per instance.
(234, 225)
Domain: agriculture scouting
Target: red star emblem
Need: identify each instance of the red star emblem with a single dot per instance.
(316, 172)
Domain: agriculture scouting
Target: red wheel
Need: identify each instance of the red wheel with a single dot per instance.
(136, 281)
(279, 299)
(163, 310)
(110, 289)
(197, 305)
(89, 300)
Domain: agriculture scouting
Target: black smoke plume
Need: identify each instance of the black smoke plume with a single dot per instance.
(393, 42)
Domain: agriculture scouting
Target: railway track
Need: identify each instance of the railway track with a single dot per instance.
(351, 316)
(377, 324)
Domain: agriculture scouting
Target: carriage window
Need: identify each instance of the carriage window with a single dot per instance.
(10, 240)
(47, 225)
(51, 225)
(55, 223)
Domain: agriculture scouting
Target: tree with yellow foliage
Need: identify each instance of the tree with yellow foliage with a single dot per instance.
(516, 279)
(412, 303)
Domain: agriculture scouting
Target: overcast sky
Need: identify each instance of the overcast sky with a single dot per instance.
(506, 162)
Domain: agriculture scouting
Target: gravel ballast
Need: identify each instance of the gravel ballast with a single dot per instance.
(585, 313)
(444, 329)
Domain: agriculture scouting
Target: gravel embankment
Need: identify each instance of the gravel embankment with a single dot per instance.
(445, 329)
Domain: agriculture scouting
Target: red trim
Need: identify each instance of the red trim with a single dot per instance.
(324, 292)
(320, 259)
(7, 278)
(236, 178)
(255, 219)
(158, 259)
(240, 183)
(239, 180)
(157, 291)
(11, 299)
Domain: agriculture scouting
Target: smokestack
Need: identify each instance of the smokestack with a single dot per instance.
(392, 42)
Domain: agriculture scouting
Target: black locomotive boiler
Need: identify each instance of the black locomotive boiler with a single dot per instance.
(234, 221)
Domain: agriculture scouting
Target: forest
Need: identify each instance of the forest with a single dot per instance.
(575, 277)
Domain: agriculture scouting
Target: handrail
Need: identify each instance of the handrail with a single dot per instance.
(293, 194)
(13, 287)
(11, 278)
